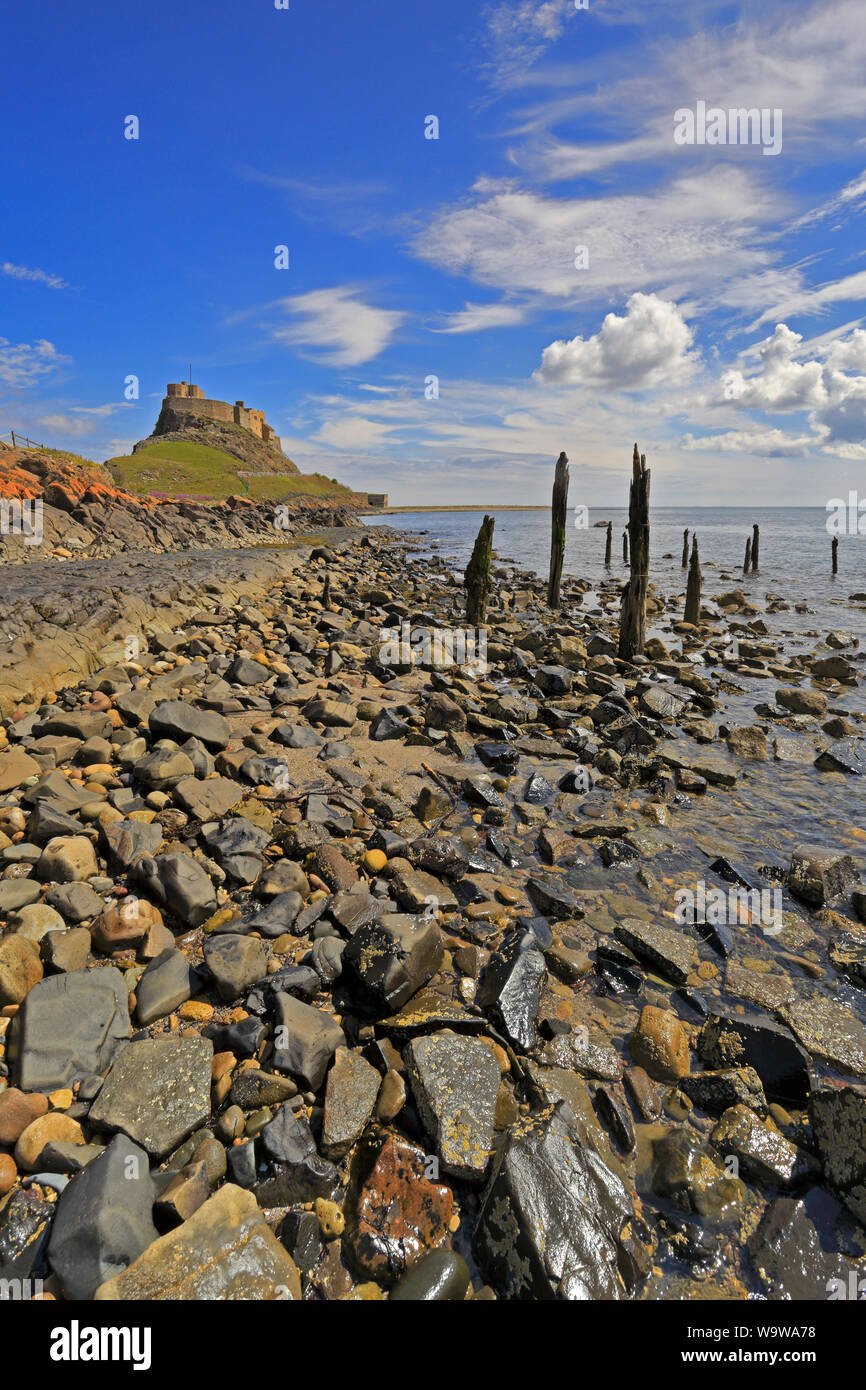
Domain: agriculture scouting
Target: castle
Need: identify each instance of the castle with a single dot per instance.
(182, 398)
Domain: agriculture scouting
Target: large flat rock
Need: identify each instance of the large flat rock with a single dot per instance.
(157, 1092)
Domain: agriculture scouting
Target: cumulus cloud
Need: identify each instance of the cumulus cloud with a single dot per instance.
(767, 443)
(337, 325)
(648, 345)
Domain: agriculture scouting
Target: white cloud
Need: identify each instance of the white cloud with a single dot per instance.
(781, 384)
(474, 317)
(768, 443)
(516, 35)
(816, 299)
(692, 236)
(23, 364)
(649, 345)
(41, 277)
(340, 328)
(66, 424)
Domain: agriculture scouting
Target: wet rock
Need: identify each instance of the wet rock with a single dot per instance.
(847, 756)
(235, 962)
(441, 1276)
(69, 1027)
(575, 1050)
(388, 961)
(353, 1086)
(686, 1172)
(715, 1091)
(395, 1212)
(305, 1040)
(762, 1152)
(415, 891)
(838, 1119)
(552, 1217)
(157, 1092)
(729, 1039)
(829, 1031)
(511, 985)
(554, 898)
(819, 876)
(103, 1220)
(671, 953)
(455, 1082)
(297, 1173)
(224, 1251)
(660, 1044)
(387, 725)
(643, 1093)
(789, 1249)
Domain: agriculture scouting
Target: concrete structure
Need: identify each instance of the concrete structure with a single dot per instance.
(182, 398)
(377, 499)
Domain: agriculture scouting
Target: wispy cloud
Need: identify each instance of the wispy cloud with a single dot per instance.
(39, 277)
(337, 325)
(23, 365)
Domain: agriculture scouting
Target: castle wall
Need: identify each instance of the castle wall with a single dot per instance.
(184, 398)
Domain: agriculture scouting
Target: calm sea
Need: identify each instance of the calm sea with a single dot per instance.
(795, 553)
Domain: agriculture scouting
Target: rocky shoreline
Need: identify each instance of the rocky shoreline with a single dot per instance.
(324, 978)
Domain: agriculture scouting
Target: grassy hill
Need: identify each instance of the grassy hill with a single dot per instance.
(178, 468)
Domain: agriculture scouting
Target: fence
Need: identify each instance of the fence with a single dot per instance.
(20, 441)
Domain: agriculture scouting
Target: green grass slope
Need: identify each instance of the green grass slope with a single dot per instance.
(174, 468)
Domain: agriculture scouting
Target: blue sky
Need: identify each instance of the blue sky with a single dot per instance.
(715, 314)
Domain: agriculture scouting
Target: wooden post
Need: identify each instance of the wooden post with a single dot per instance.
(756, 541)
(326, 589)
(608, 543)
(625, 547)
(13, 439)
(685, 559)
(693, 587)
(632, 621)
(557, 531)
(748, 560)
(835, 554)
(477, 574)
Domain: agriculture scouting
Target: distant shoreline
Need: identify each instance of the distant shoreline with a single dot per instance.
(611, 507)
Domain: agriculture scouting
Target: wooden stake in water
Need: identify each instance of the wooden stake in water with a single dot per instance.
(747, 563)
(625, 547)
(835, 554)
(477, 574)
(557, 531)
(692, 613)
(632, 621)
(756, 541)
(685, 560)
(608, 543)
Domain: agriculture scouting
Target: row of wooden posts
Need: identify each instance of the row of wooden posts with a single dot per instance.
(635, 554)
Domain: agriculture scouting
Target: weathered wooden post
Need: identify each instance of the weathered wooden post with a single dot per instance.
(748, 560)
(477, 574)
(625, 547)
(685, 559)
(608, 543)
(557, 531)
(756, 541)
(632, 621)
(326, 590)
(835, 554)
(692, 613)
